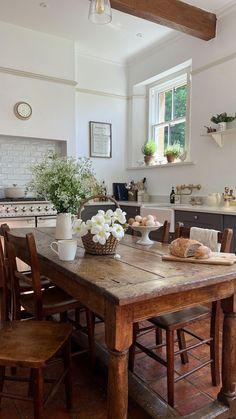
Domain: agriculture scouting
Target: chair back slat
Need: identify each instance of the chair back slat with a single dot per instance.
(225, 237)
(17, 247)
(3, 295)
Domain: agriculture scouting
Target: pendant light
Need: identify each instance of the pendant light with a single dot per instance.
(100, 12)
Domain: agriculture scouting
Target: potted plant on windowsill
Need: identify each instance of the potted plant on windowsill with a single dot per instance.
(149, 149)
(221, 120)
(172, 152)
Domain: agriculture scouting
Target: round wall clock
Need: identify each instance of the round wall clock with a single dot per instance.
(22, 110)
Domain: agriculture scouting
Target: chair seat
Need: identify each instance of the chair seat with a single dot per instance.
(24, 287)
(180, 319)
(31, 343)
(54, 300)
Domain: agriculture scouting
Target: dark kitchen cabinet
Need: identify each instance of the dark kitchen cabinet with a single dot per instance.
(131, 212)
(230, 222)
(91, 210)
(200, 219)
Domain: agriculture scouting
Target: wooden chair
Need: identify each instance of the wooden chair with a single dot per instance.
(177, 321)
(42, 302)
(33, 344)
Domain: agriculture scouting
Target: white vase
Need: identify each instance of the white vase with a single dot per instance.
(222, 126)
(64, 226)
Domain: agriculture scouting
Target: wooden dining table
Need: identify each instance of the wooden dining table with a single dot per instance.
(133, 286)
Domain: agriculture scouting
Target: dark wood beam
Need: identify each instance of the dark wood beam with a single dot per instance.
(174, 14)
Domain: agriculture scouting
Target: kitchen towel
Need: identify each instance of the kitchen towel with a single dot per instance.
(206, 236)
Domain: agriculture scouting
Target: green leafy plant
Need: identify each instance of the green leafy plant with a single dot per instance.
(173, 150)
(222, 117)
(149, 148)
(64, 181)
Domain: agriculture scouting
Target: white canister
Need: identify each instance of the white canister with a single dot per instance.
(213, 199)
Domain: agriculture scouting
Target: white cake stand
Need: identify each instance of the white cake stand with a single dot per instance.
(145, 230)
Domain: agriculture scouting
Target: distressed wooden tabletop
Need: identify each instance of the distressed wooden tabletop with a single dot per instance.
(138, 275)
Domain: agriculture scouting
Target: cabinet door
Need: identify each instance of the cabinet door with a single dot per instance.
(200, 219)
(230, 222)
(131, 212)
(91, 210)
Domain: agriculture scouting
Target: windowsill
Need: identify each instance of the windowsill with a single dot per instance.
(161, 166)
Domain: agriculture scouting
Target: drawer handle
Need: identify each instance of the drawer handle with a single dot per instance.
(195, 217)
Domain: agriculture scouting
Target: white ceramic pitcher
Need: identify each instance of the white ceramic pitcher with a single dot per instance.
(64, 226)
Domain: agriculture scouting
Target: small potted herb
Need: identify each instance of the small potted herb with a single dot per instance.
(149, 149)
(172, 152)
(221, 120)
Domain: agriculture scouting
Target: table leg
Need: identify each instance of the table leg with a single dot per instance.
(227, 393)
(118, 331)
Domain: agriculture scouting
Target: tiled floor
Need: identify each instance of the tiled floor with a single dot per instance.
(89, 389)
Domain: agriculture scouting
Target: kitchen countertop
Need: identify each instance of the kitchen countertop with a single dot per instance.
(231, 210)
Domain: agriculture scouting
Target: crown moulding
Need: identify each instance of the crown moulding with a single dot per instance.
(174, 14)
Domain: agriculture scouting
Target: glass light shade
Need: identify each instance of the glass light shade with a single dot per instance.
(100, 12)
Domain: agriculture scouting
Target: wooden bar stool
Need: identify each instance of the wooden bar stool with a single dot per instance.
(178, 321)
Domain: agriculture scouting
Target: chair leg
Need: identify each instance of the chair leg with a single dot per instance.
(90, 319)
(132, 347)
(2, 377)
(68, 377)
(170, 366)
(214, 346)
(38, 393)
(158, 333)
(182, 345)
(31, 383)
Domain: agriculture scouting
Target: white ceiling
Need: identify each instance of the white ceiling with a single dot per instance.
(117, 41)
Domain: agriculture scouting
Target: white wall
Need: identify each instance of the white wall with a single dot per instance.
(38, 69)
(101, 97)
(213, 91)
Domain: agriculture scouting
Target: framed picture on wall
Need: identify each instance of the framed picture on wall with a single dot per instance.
(100, 139)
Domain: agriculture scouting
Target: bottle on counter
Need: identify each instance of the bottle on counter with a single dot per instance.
(172, 195)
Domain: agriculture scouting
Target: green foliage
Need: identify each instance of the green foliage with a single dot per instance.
(173, 150)
(222, 117)
(64, 181)
(149, 148)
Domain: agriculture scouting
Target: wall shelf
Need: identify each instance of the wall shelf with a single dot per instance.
(219, 136)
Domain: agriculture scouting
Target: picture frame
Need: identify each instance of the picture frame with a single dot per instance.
(100, 134)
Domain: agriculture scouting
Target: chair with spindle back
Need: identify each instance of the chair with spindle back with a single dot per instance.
(33, 344)
(177, 321)
(42, 302)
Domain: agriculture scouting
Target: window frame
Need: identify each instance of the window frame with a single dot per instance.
(164, 84)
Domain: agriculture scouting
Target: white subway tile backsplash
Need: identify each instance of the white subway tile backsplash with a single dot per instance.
(17, 155)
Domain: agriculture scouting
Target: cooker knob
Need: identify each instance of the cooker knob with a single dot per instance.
(8, 209)
(46, 208)
(31, 209)
(39, 208)
(24, 209)
(16, 209)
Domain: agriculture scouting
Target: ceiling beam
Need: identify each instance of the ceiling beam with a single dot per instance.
(174, 14)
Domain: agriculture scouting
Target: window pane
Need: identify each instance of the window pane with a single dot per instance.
(177, 134)
(165, 106)
(161, 139)
(180, 96)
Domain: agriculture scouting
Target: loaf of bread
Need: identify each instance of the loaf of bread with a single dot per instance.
(203, 252)
(184, 248)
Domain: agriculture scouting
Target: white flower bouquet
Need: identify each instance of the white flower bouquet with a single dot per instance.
(101, 234)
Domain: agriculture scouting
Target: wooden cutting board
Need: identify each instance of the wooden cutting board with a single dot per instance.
(215, 259)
